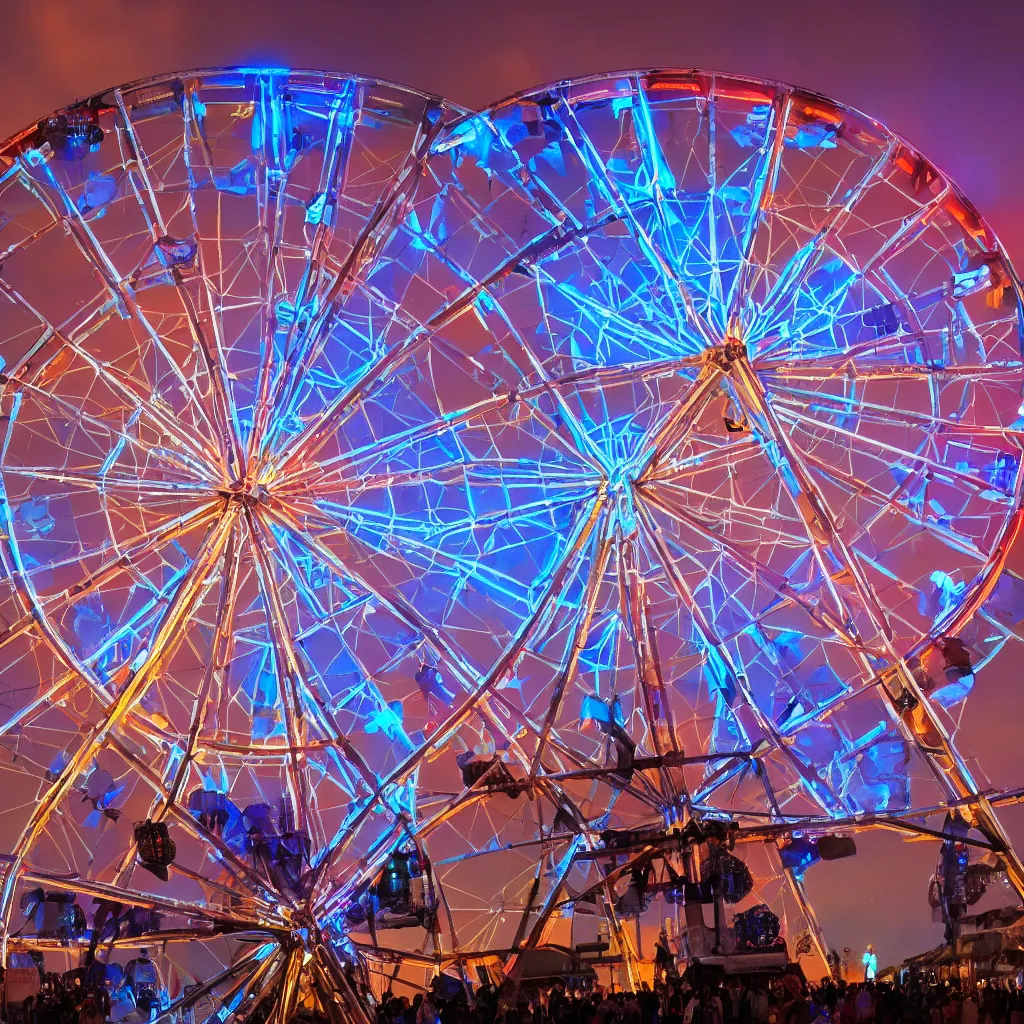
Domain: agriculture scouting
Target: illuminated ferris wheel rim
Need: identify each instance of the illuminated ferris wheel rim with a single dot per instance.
(668, 78)
(603, 86)
(703, 83)
(259, 752)
(105, 97)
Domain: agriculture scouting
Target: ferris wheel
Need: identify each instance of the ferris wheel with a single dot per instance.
(402, 508)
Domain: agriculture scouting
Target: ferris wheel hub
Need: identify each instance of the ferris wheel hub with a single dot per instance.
(246, 492)
(727, 353)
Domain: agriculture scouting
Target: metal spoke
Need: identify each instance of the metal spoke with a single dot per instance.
(761, 200)
(190, 590)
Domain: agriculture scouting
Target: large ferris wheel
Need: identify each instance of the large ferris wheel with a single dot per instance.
(402, 508)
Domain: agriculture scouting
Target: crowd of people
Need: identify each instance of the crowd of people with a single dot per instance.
(694, 998)
(97, 994)
(691, 999)
(69, 999)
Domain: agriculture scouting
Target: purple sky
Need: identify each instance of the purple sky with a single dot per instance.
(948, 75)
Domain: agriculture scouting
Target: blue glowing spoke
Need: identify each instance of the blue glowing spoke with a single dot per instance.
(121, 292)
(656, 167)
(793, 277)
(674, 286)
(762, 190)
(678, 232)
(216, 359)
(394, 603)
(583, 448)
(714, 256)
(306, 593)
(123, 554)
(549, 248)
(480, 688)
(420, 334)
(339, 519)
(279, 381)
(272, 174)
(333, 174)
(659, 347)
(42, 612)
(379, 226)
(330, 469)
(503, 473)
(224, 413)
(829, 306)
(430, 533)
(312, 438)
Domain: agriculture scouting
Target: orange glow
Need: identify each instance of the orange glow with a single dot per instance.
(746, 95)
(819, 113)
(673, 85)
(968, 220)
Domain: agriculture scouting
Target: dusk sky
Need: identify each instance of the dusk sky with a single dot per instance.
(947, 75)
